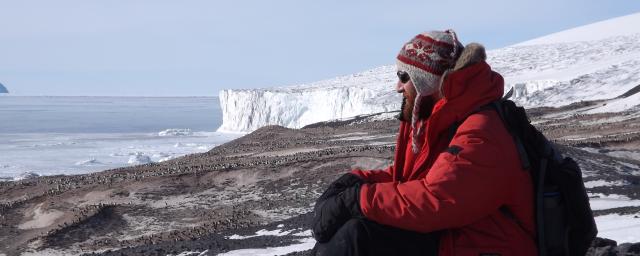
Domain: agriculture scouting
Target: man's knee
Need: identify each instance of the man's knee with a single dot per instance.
(355, 225)
(347, 241)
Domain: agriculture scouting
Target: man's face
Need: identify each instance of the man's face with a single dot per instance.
(405, 86)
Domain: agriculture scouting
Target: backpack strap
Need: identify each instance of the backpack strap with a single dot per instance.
(522, 152)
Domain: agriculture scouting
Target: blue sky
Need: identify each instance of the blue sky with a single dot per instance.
(196, 48)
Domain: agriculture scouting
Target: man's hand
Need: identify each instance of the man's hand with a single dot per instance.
(345, 181)
(332, 212)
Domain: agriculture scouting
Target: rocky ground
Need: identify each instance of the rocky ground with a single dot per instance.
(266, 183)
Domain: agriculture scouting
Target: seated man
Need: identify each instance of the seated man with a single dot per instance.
(456, 186)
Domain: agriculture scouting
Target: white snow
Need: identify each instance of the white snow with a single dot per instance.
(600, 61)
(603, 183)
(262, 232)
(192, 253)
(305, 244)
(624, 25)
(622, 229)
(609, 203)
(618, 105)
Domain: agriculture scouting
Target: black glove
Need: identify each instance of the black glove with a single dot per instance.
(345, 181)
(331, 213)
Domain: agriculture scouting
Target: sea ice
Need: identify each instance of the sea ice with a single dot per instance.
(139, 158)
(176, 132)
(26, 175)
(91, 161)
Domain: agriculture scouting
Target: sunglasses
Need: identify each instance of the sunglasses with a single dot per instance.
(403, 76)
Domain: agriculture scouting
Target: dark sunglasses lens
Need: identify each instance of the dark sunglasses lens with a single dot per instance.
(403, 76)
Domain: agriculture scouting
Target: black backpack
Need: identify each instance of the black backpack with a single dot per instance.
(564, 221)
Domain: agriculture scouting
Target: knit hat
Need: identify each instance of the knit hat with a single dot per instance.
(425, 58)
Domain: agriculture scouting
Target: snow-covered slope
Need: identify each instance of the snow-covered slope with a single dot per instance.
(624, 25)
(562, 73)
(556, 70)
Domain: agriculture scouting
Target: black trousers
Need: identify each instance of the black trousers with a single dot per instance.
(363, 237)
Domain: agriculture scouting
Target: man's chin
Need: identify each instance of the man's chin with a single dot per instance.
(405, 111)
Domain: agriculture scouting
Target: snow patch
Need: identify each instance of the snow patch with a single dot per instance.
(603, 183)
(621, 228)
(190, 253)
(610, 203)
(306, 233)
(303, 245)
(262, 232)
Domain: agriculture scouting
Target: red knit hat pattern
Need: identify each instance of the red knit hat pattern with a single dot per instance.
(425, 58)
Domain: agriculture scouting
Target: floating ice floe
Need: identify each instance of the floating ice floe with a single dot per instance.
(175, 132)
(26, 176)
(91, 161)
(139, 158)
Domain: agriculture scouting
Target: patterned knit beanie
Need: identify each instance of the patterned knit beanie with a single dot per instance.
(425, 58)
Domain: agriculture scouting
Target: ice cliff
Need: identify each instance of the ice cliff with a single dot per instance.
(347, 96)
(555, 70)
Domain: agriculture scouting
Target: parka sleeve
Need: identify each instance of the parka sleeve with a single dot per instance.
(466, 183)
(375, 176)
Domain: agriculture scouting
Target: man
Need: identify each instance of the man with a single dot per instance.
(456, 186)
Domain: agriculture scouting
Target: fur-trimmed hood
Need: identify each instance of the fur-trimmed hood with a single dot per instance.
(472, 54)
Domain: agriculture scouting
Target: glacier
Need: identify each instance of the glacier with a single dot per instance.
(296, 106)
(551, 71)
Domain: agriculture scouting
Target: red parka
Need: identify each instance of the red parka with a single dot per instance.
(458, 187)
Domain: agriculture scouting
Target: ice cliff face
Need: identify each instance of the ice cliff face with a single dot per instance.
(551, 71)
(347, 96)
